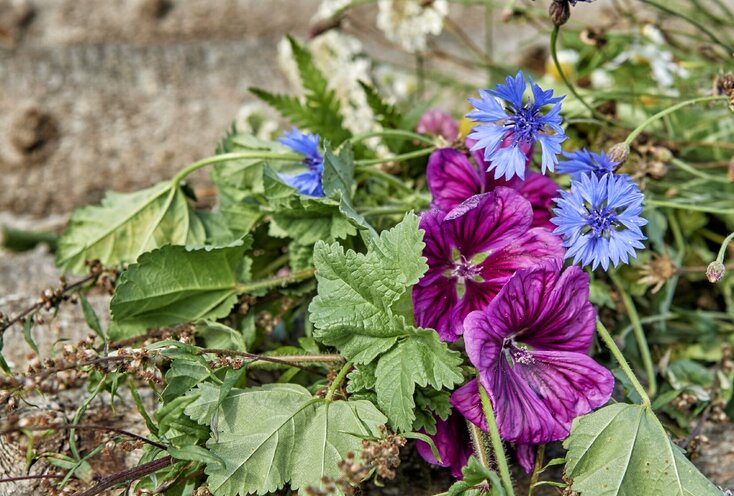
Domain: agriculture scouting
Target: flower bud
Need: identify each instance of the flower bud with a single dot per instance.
(619, 153)
(715, 271)
(559, 12)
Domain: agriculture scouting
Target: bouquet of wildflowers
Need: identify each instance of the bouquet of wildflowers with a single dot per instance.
(481, 287)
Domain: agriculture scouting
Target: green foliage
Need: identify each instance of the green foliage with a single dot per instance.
(174, 285)
(278, 433)
(624, 450)
(320, 112)
(475, 474)
(360, 310)
(126, 225)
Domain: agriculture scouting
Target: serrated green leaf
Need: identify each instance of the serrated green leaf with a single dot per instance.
(278, 433)
(624, 450)
(474, 473)
(125, 225)
(362, 378)
(173, 285)
(195, 454)
(420, 360)
(430, 404)
(204, 400)
(182, 376)
(308, 220)
(356, 291)
(358, 311)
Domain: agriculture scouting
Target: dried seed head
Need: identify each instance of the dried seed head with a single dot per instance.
(715, 271)
(619, 153)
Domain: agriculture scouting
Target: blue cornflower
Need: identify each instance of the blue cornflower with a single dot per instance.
(309, 182)
(584, 161)
(511, 131)
(599, 219)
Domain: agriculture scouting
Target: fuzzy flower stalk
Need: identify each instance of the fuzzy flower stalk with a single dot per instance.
(507, 132)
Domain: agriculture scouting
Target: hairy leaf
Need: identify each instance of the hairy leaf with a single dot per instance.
(125, 225)
(279, 433)
(360, 310)
(624, 450)
(173, 285)
(338, 175)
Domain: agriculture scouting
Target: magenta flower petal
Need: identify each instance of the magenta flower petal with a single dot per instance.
(467, 401)
(471, 252)
(438, 123)
(452, 442)
(525, 454)
(452, 178)
(538, 390)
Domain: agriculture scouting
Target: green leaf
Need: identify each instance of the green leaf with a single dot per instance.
(182, 376)
(27, 328)
(90, 317)
(474, 473)
(307, 220)
(195, 454)
(3, 363)
(420, 360)
(429, 405)
(362, 378)
(320, 111)
(623, 449)
(278, 433)
(359, 310)
(356, 291)
(338, 175)
(220, 336)
(125, 225)
(174, 285)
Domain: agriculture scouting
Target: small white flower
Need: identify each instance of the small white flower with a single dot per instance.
(329, 8)
(409, 22)
(601, 79)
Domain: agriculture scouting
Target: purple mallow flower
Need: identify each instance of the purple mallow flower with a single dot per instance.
(452, 178)
(599, 220)
(438, 123)
(583, 162)
(522, 123)
(452, 443)
(530, 347)
(472, 251)
(309, 182)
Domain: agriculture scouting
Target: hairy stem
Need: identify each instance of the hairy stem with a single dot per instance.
(639, 335)
(128, 475)
(724, 246)
(634, 134)
(479, 443)
(609, 342)
(494, 434)
(338, 381)
(226, 157)
(537, 469)
(275, 282)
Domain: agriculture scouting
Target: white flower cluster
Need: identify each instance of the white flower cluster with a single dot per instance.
(662, 65)
(409, 22)
(328, 8)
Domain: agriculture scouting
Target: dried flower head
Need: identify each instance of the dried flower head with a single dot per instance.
(657, 271)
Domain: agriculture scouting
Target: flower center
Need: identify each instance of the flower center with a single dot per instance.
(525, 125)
(516, 353)
(600, 222)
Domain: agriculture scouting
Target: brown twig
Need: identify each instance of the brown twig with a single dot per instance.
(128, 475)
(289, 360)
(89, 427)
(31, 477)
(42, 302)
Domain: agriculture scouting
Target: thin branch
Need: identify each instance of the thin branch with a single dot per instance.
(31, 477)
(89, 427)
(42, 302)
(128, 475)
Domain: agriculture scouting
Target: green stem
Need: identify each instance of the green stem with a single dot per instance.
(690, 207)
(386, 210)
(390, 133)
(634, 134)
(566, 81)
(639, 335)
(274, 282)
(494, 434)
(537, 469)
(388, 178)
(338, 380)
(695, 172)
(694, 22)
(609, 341)
(724, 246)
(479, 443)
(397, 158)
(225, 157)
